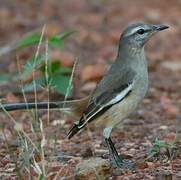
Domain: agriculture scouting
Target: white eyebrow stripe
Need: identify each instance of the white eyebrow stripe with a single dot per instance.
(133, 31)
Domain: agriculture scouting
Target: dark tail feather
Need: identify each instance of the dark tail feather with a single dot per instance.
(75, 129)
(21, 106)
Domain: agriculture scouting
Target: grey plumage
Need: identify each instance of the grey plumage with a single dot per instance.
(129, 68)
(122, 88)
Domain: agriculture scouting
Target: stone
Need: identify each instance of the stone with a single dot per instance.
(164, 175)
(172, 65)
(93, 169)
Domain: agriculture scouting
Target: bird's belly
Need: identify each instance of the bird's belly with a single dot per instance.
(119, 111)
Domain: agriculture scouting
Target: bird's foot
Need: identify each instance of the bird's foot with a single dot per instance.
(123, 163)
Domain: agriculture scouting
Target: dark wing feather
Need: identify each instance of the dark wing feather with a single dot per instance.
(107, 90)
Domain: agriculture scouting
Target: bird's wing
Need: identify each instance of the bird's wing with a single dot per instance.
(110, 91)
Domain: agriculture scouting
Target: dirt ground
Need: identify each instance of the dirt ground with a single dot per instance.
(99, 25)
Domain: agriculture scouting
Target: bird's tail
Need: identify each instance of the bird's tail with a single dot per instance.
(74, 130)
(76, 106)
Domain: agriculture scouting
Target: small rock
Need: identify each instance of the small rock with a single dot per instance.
(178, 175)
(87, 152)
(150, 165)
(170, 65)
(141, 164)
(18, 127)
(163, 127)
(170, 138)
(164, 175)
(93, 169)
(88, 87)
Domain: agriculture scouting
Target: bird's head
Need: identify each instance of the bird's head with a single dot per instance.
(138, 34)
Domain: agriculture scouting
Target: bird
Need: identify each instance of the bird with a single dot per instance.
(122, 88)
(118, 93)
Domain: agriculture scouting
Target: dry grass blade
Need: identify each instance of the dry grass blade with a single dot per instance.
(33, 73)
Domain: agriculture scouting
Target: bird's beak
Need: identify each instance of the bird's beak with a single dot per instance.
(160, 27)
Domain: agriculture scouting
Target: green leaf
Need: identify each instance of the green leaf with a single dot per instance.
(30, 86)
(55, 66)
(65, 70)
(56, 42)
(57, 82)
(66, 34)
(29, 40)
(34, 38)
(41, 177)
(60, 84)
(32, 64)
(5, 78)
(52, 68)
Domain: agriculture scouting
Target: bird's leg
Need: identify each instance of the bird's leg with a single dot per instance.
(117, 160)
(113, 151)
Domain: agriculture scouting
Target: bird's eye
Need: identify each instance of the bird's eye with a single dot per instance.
(141, 31)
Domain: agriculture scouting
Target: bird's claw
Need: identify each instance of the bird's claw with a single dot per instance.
(123, 164)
